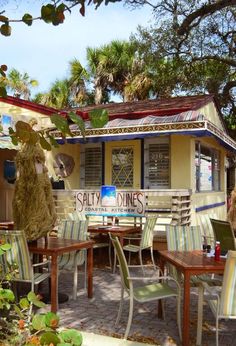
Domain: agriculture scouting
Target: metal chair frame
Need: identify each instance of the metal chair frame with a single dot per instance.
(144, 293)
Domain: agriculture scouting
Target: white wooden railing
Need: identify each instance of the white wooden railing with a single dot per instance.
(171, 204)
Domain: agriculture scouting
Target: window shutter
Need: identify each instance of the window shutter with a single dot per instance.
(93, 167)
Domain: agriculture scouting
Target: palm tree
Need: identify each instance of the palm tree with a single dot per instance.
(58, 96)
(98, 73)
(70, 92)
(78, 79)
(117, 68)
(20, 84)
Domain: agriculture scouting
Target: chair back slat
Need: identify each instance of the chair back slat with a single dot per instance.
(18, 254)
(147, 233)
(124, 270)
(72, 229)
(76, 216)
(224, 233)
(206, 228)
(183, 238)
(228, 293)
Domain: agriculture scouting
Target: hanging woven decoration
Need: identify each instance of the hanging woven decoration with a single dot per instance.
(33, 204)
(64, 165)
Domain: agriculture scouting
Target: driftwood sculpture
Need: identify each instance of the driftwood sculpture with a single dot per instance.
(33, 205)
(232, 209)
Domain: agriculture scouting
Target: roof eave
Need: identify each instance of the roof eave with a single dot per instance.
(195, 128)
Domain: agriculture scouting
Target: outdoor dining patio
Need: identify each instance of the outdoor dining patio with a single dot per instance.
(93, 306)
(98, 315)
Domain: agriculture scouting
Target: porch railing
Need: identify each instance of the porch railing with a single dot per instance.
(172, 206)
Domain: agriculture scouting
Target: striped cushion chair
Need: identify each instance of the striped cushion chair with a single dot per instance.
(186, 238)
(223, 302)
(73, 229)
(19, 257)
(96, 238)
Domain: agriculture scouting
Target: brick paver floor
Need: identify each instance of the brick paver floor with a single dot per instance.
(98, 315)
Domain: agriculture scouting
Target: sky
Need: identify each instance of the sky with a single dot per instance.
(44, 50)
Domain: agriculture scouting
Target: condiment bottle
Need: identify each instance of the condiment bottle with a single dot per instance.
(217, 251)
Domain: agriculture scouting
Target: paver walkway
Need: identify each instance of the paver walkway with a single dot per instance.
(98, 315)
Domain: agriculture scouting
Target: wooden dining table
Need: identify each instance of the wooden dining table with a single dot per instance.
(7, 225)
(189, 263)
(121, 231)
(54, 247)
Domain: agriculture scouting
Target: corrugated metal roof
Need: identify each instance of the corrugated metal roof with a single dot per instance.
(150, 119)
(153, 119)
(138, 109)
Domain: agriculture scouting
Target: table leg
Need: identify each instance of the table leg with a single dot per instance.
(186, 311)
(90, 271)
(54, 283)
(160, 306)
(121, 241)
(199, 315)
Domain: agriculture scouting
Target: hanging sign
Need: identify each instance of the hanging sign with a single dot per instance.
(122, 203)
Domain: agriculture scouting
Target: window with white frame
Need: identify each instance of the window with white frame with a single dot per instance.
(157, 163)
(207, 168)
(91, 166)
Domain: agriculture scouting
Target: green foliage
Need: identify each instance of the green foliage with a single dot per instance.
(48, 338)
(53, 14)
(18, 328)
(71, 336)
(25, 134)
(98, 117)
(27, 19)
(19, 83)
(4, 248)
(61, 124)
(3, 91)
(78, 121)
(5, 29)
(200, 60)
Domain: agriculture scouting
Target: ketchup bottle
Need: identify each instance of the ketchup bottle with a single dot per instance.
(217, 251)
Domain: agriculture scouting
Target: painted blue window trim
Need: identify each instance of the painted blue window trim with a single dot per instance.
(209, 206)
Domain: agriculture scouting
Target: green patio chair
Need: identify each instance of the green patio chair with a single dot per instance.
(78, 230)
(18, 256)
(144, 293)
(207, 232)
(223, 302)
(145, 240)
(224, 233)
(186, 238)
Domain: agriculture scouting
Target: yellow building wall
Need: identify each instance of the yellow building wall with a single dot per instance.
(199, 200)
(19, 113)
(183, 176)
(180, 154)
(210, 112)
(72, 181)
